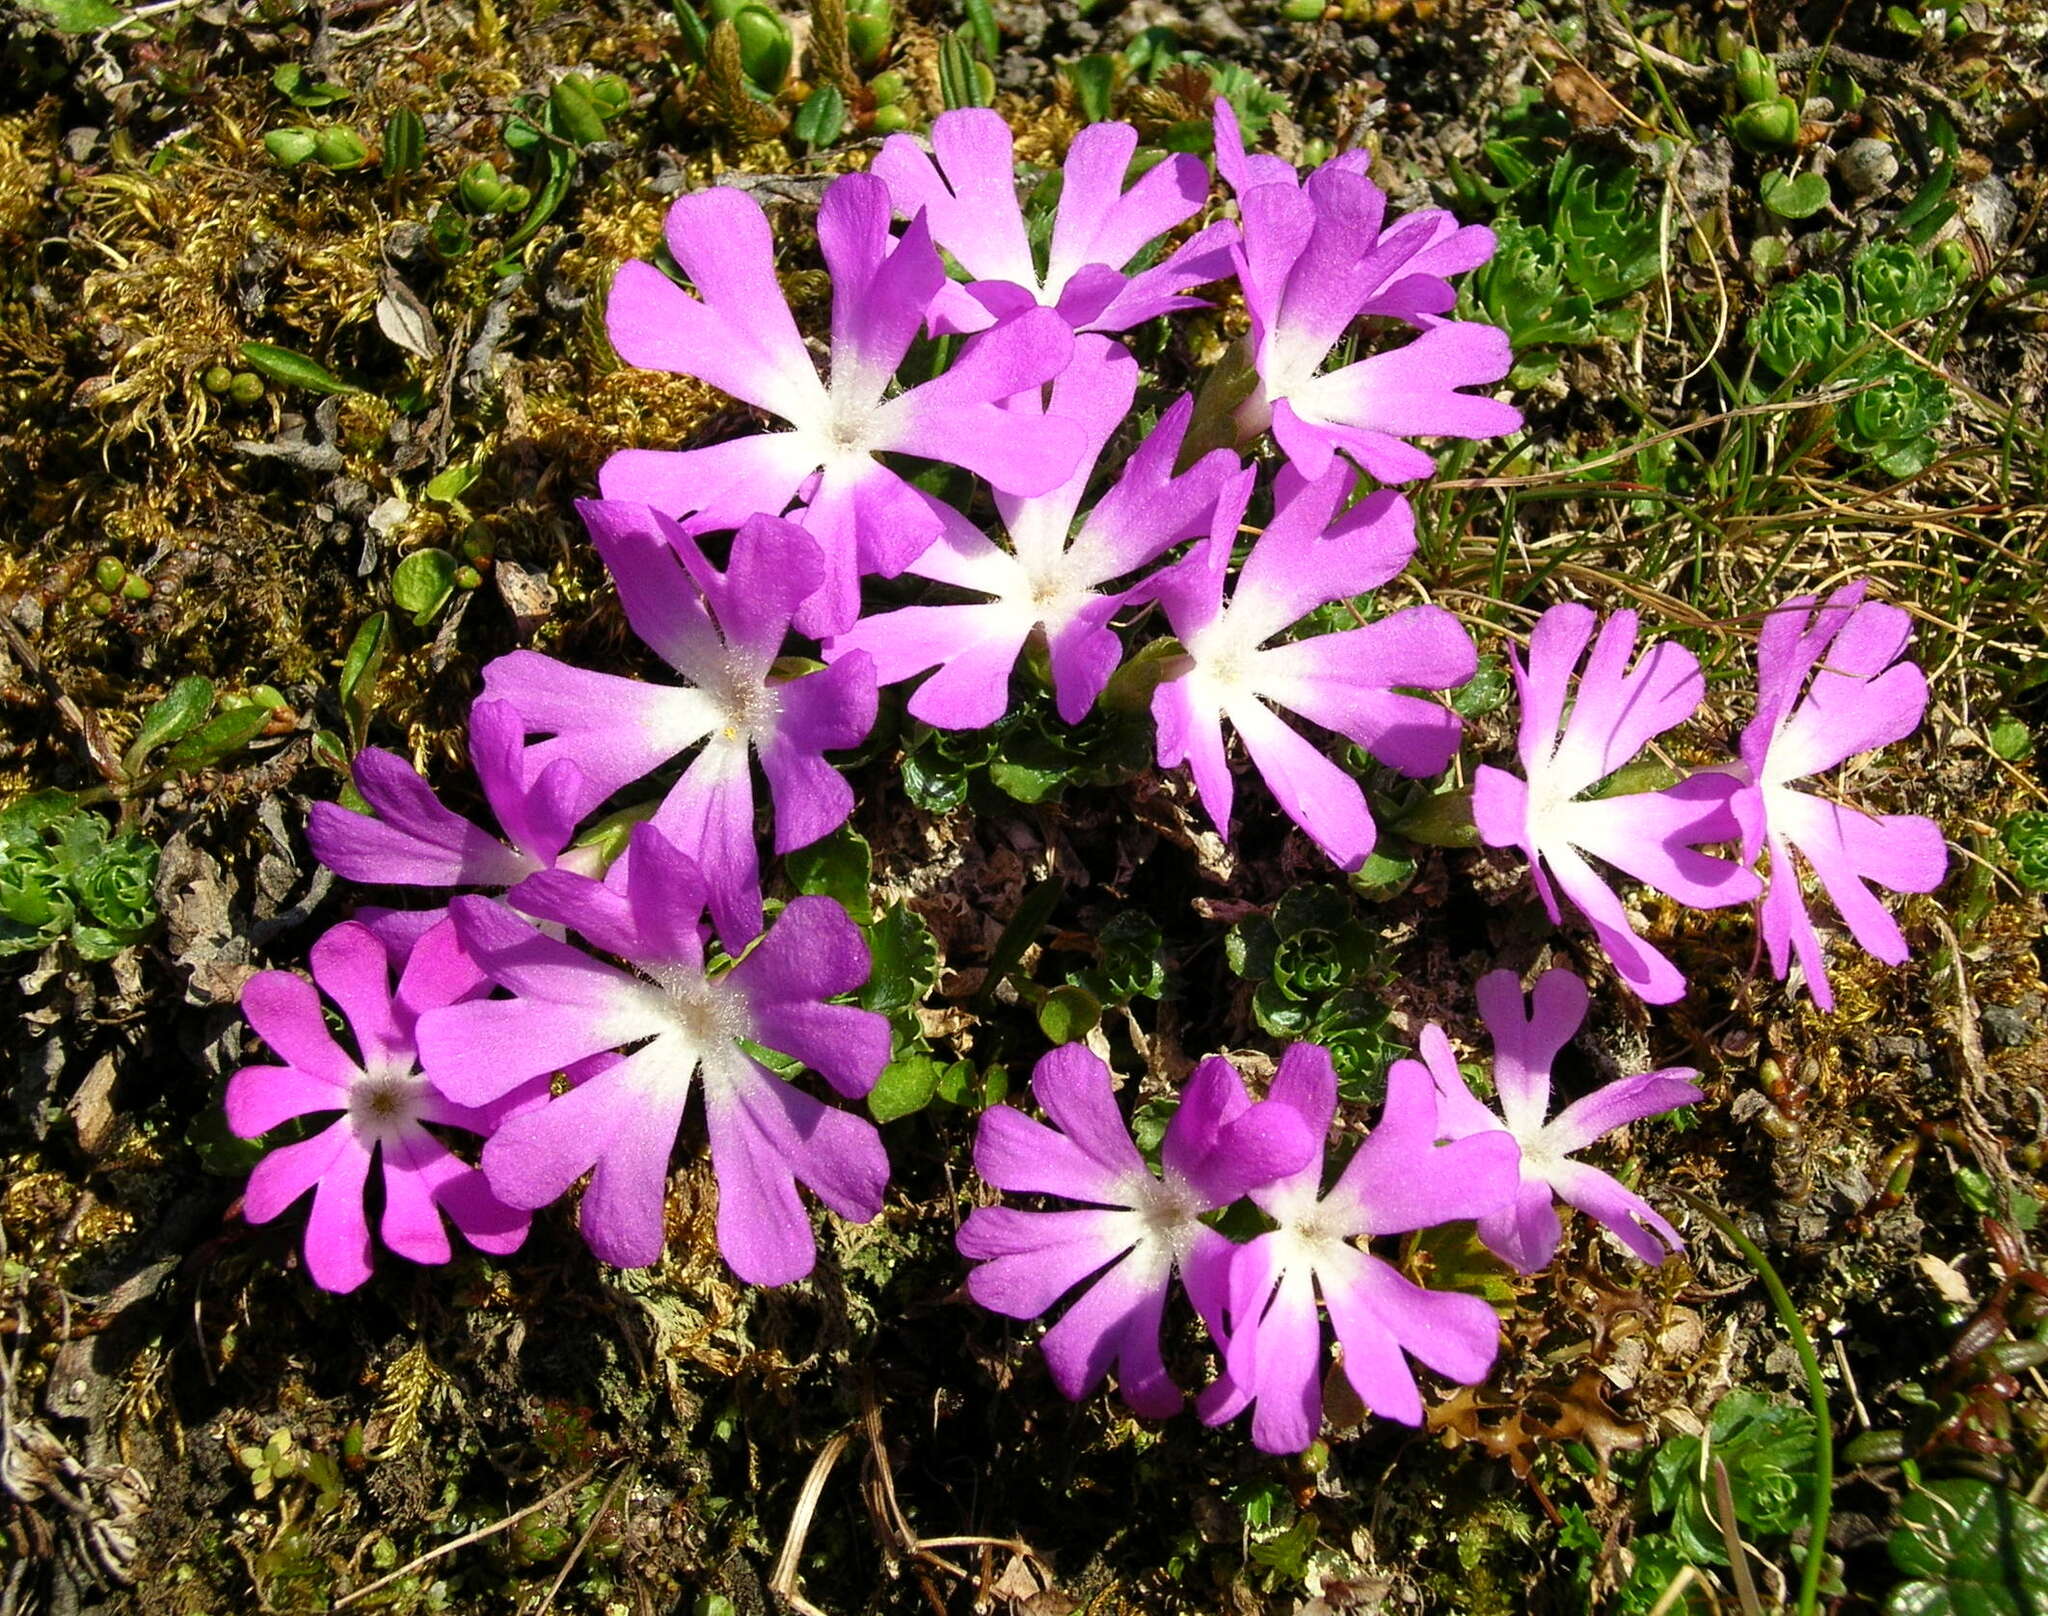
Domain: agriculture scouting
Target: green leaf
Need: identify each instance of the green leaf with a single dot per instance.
(1249, 946)
(290, 81)
(1094, 81)
(228, 732)
(26, 820)
(837, 866)
(1973, 1549)
(903, 961)
(448, 486)
(1921, 217)
(422, 583)
(366, 654)
(80, 16)
(933, 781)
(981, 19)
(820, 119)
(289, 369)
(572, 113)
(1069, 1014)
(181, 710)
(1794, 196)
(405, 143)
(1026, 782)
(905, 1087)
(561, 174)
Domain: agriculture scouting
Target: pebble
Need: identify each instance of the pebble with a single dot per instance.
(1867, 166)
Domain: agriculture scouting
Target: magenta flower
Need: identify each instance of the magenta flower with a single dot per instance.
(669, 1021)
(1047, 579)
(1651, 835)
(969, 198)
(1218, 1147)
(1398, 1179)
(722, 632)
(386, 1103)
(1831, 685)
(738, 335)
(415, 841)
(1526, 1232)
(1312, 260)
(1244, 171)
(1346, 681)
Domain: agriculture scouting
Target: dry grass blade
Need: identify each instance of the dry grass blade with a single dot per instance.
(443, 1550)
(782, 1581)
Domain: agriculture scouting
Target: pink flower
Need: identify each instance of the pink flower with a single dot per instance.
(1527, 1231)
(670, 1024)
(723, 633)
(415, 841)
(1053, 574)
(1399, 1178)
(1218, 1146)
(386, 1103)
(969, 198)
(1651, 835)
(1346, 681)
(1313, 259)
(738, 335)
(1831, 685)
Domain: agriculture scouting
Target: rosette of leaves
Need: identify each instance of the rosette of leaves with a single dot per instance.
(1892, 421)
(2026, 845)
(1803, 327)
(1308, 950)
(1130, 966)
(1581, 246)
(1897, 284)
(62, 875)
(1767, 1448)
(1029, 755)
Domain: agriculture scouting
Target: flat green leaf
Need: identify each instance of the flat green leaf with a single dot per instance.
(1069, 1014)
(1973, 1549)
(80, 16)
(182, 710)
(1794, 196)
(449, 486)
(228, 732)
(365, 656)
(836, 866)
(572, 113)
(904, 961)
(820, 119)
(289, 369)
(1094, 81)
(906, 1086)
(422, 583)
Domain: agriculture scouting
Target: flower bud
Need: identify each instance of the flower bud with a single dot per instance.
(479, 187)
(467, 578)
(218, 379)
(888, 88)
(108, 572)
(136, 587)
(340, 147)
(1766, 126)
(514, 199)
(891, 120)
(99, 605)
(765, 47)
(246, 387)
(610, 94)
(1755, 79)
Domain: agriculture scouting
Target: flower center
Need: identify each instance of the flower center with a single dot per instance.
(751, 706)
(384, 1103)
(703, 1016)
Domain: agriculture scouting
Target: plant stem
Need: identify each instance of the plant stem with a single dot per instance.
(1816, 1392)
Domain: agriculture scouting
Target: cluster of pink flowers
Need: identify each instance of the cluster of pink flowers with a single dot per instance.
(562, 1004)
(1437, 1155)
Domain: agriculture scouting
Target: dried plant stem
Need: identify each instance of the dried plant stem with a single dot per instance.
(461, 1542)
(1816, 1392)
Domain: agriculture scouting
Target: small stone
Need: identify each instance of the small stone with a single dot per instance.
(2008, 1026)
(1867, 166)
